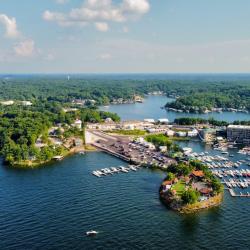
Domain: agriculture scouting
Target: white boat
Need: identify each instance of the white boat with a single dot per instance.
(133, 168)
(124, 170)
(91, 233)
(96, 174)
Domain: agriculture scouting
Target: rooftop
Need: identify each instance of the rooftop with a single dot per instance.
(239, 126)
(198, 173)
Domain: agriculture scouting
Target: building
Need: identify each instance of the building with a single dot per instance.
(181, 133)
(192, 133)
(7, 103)
(77, 124)
(26, 103)
(149, 120)
(170, 133)
(163, 120)
(208, 135)
(238, 134)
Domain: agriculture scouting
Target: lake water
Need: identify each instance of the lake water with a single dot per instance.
(52, 207)
(151, 108)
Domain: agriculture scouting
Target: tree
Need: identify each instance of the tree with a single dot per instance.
(190, 196)
(170, 176)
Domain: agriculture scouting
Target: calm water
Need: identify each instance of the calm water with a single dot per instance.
(151, 108)
(52, 207)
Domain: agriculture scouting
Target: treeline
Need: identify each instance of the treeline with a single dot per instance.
(194, 121)
(197, 92)
(223, 98)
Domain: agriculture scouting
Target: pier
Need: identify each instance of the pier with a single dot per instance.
(233, 194)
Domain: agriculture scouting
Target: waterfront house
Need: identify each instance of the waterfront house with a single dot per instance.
(205, 191)
(198, 174)
(166, 185)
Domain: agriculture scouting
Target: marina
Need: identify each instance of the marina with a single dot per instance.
(228, 163)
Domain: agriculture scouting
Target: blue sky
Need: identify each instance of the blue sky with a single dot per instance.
(120, 36)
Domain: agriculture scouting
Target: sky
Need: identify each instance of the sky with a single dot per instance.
(124, 36)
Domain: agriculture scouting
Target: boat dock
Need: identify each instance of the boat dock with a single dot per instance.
(115, 170)
(233, 194)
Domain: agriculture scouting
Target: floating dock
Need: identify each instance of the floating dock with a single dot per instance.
(233, 194)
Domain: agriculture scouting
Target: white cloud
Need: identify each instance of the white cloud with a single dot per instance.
(136, 6)
(99, 11)
(25, 48)
(102, 26)
(10, 26)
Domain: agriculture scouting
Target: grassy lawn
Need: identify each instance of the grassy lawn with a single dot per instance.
(179, 187)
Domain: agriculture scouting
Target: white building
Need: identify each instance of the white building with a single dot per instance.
(170, 132)
(163, 149)
(108, 120)
(77, 124)
(7, 103)
(181, 133)
(149, 120)
(26, 103)
(192, 133)
(163, 120)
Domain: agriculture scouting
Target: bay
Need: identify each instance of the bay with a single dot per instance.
(151, 108)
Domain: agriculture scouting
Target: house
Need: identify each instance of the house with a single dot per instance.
(77, 124)
(108, 120)
(205, 191)
(7, 103)
(198, 174)
(26, 103)
(163, 149)
(78, 102)
(170, 133)
(67, 110)
(166, 185)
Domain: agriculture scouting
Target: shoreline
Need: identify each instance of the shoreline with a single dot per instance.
(214, 201)
(34, 165)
